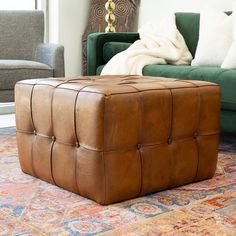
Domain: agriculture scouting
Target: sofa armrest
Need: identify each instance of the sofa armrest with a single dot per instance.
(53, 56)
(95, 45)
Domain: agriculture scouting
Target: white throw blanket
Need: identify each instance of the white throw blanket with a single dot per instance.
(159, 43)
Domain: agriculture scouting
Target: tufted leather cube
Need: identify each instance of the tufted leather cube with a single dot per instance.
(113, 138)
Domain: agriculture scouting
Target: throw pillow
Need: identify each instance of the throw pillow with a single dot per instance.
(230, 59)
(215, 38)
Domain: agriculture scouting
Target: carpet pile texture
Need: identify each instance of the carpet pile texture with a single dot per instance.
(29, 206)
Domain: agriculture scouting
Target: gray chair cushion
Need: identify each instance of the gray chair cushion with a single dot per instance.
(12, 71)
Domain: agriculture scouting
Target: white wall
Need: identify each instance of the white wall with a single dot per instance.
(152, 10)
(68, 19)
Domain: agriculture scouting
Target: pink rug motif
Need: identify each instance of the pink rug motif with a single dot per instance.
(29, 206)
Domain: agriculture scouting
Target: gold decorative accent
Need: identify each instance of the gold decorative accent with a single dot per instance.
(110, 17)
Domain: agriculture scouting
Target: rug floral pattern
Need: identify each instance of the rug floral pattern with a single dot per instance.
(29, 206)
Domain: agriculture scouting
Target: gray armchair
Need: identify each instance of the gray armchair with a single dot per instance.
(23, 55)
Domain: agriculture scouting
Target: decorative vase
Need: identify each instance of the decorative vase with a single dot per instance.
(110, 17)
(125, 20)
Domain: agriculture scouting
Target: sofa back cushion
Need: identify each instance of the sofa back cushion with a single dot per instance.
(20, 33)
(110, 49)
(188, 25)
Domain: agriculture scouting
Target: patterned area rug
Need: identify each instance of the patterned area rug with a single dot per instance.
(29, 206)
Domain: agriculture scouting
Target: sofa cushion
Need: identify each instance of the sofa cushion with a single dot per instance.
(110, 49)
(12, 71)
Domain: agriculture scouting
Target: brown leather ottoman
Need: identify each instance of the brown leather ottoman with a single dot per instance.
(114, 138)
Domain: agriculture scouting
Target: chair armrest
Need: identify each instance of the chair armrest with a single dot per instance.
(95, 45)
(53, 56)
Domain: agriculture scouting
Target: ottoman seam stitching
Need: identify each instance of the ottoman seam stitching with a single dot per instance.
(172, 108)
(170, 135)
(192, 83)
(31, 111)
(76, 135)
(139, 92)
(51, 150)
(140, 141)
(77, 140)
(114, 150)
(197, 142)
(197, 87)
(103, 159)
(54, 140)
(34, 137)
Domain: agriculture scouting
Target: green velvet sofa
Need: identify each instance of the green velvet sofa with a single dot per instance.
(102, 47)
